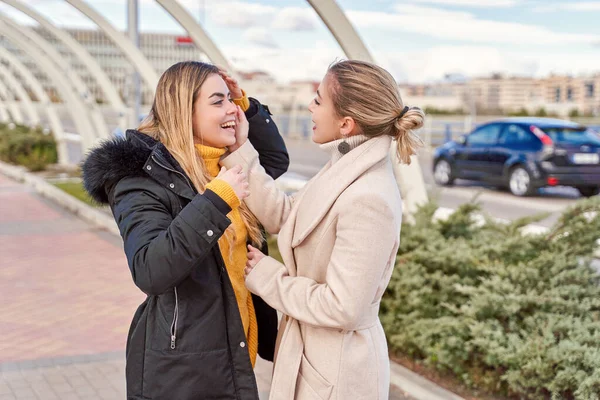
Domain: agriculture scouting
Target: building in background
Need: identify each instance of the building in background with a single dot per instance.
(162, 50)
(440, 97)
(496, 94)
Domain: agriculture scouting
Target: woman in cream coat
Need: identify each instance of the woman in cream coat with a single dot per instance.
(338, 238)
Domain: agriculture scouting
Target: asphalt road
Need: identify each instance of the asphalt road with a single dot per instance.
(307, 159)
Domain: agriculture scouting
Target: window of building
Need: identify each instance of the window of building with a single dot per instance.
(589, 90)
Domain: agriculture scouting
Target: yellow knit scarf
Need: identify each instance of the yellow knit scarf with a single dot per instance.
(235, 259)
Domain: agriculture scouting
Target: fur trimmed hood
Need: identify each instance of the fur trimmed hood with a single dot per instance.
(114, 160)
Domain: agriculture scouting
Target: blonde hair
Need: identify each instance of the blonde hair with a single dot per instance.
(369, 94)
(170, 122)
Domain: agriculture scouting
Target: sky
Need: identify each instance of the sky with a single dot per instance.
(418, 41)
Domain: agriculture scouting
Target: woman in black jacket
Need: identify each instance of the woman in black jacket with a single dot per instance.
(183, 223)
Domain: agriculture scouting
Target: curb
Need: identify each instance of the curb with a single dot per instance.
(416, 386)
(68, 202)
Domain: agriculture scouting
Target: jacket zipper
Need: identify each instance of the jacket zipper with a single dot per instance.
(175, 320)
(176, 312)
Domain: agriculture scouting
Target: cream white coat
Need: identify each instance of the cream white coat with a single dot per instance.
(338, 238)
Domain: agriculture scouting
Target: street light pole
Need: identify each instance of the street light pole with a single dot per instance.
(133, 32)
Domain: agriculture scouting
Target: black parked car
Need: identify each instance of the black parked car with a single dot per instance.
(524, 154)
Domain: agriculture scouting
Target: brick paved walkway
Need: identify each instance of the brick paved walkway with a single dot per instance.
(67, 300)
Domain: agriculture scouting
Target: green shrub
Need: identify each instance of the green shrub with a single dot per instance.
(28, 147)
(510, 314)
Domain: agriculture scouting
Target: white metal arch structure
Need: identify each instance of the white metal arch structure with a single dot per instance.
(409, 177)
(3, 112)
(43, 99)
(13, 107)
(17, 88)
(99, 124)
(74, 104)
(201, 39)
(109, 90)
(341, 29)
(135, 56)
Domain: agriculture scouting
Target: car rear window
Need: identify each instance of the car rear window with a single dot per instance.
(574, 136)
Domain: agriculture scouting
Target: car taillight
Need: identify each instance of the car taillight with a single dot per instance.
(552, 181)
(544, 138)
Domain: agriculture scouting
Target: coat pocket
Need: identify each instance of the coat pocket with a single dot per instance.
(188, 376)
(311, 385)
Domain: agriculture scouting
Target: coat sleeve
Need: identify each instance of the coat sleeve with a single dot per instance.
(265, 138)
(266, 201)
(367, 236)
(161, 250)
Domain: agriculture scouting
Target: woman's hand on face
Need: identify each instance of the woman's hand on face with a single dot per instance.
(254, 257)
(232, 84)
(241, 130)
(236, 178)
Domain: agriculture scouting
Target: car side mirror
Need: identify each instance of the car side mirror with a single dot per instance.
(462, 140)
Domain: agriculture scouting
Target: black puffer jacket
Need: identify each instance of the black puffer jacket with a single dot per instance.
(186, 340)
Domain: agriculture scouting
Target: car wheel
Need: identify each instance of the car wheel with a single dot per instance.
(519, 182)
(588, 191)
(442, 173)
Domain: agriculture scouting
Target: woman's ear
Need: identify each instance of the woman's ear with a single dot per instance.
(348, 126)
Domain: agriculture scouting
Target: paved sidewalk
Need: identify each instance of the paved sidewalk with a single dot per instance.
(67, 300)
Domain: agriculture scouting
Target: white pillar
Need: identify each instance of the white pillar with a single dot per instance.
(133, 31)
(11, 102)
(17, 88)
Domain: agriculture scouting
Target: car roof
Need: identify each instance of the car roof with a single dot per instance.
(539, 122)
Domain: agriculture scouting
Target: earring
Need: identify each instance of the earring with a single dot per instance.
(344, 147)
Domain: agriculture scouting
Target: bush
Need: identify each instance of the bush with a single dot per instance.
(510, 314)
(28, 147)
(440, 111)
(520, 113)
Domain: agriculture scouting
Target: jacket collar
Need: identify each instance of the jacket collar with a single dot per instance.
(130, 156)
(322, 192)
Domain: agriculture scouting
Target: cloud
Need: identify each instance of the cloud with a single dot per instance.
(247, 15)
(425, 65)
(240, 15)
(283, 63)
(260, 36)
(471, 3)
(295, 19)
(432, 64)
(430, 12)
(463, 26)
(573, 6)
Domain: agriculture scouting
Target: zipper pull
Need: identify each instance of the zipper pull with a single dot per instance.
(172, 342)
